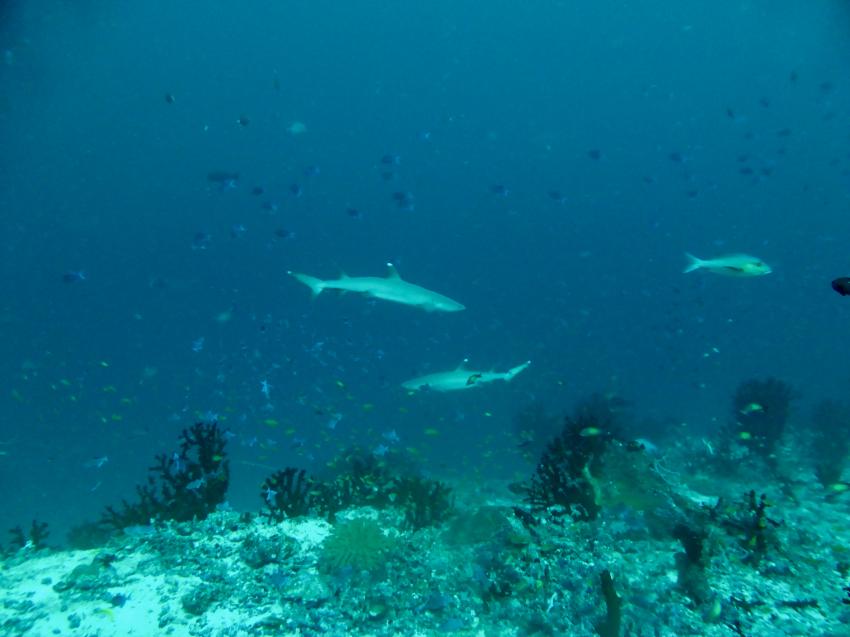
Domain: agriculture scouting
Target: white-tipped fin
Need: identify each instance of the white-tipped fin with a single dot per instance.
(392, 273)
(462, 364)
(316, 285)
(513, 371)
(694, 263)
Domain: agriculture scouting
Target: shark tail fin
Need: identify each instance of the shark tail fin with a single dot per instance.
(694, 263)
(513, 371)
(316, 285)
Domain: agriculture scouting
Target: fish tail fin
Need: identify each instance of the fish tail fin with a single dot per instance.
(316, 285)
(694, 263)
(513, 371)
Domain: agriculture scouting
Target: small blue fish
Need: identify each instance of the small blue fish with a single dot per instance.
(404, 201)
(201, 241)
(557, 196)
(334, 421)
(96, 463)
(222, 177)
(74, 276)
(119, 599)
(195, 485)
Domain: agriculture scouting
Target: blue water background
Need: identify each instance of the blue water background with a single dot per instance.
(98, 172)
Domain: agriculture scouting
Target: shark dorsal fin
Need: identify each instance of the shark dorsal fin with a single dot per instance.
(392, 273)
(462, 365)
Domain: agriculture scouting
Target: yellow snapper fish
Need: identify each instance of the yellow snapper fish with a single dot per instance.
(751, 408)
(742, 265)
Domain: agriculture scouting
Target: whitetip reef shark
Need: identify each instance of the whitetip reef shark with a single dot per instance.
(389, 288)
(460, 378)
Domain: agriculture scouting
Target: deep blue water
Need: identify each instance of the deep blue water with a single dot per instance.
(665, 127)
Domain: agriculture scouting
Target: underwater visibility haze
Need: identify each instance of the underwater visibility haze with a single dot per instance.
(412, 318)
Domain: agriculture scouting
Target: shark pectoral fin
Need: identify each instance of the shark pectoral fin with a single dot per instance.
(473, 378)
(392, 273)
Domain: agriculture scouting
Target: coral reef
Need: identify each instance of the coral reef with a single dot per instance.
(756, 527)
(567, 472)
(830, 441)
(610, 626)
(628, 475)
(484, 524)
(760, 410)
(362, 480)
(258, 551)
(358, 544)
(89, 535)
(35, 537)
(412, 560)
(493, 569)
(425, 502)
(187, 484)
(691, 563)
(287, 493)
